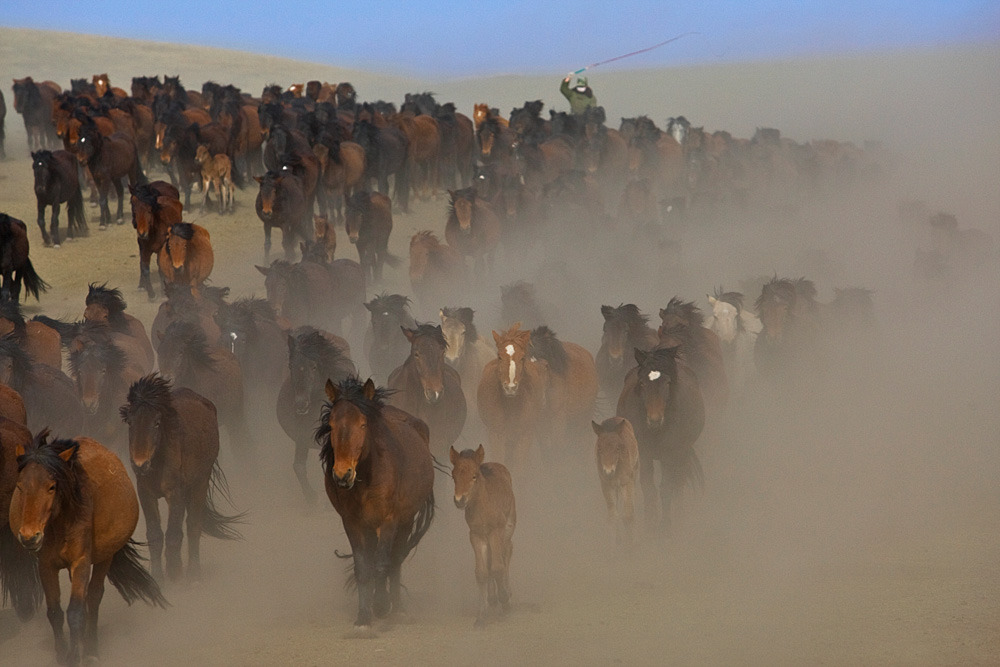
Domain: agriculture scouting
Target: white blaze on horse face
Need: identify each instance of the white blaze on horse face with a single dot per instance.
(654, 376)
(512, 369)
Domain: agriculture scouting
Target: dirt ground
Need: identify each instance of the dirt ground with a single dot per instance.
(858, 523)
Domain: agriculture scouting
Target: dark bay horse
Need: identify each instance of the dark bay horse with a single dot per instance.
(790, 335)
(436, 270)
(109, 159)
(625, 329)
(75, 507)
(368, 224)
(173, 444)
(428, 388)
(379, 476)
(570, 387)
(107, 305)
(56, 182)
(385, 155)
(315, 292)
(472, 228)
(485, 492)
(156, 207)
(682, 326)
(15, 266)
(511, 397)
(249, 328)
(313, 356)
(385, 348)
(282, 203)
(662, 401)
(18, 568)
(34, 102)
(49, 394)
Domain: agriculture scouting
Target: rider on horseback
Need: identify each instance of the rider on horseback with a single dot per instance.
(580, 96)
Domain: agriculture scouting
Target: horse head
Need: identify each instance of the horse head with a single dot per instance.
(465, 470)
(457, 326)
(46, 485)
(512, 350)
(461, 204)
(655, 378)
(352, 408)
(149, 413)
(427, 347)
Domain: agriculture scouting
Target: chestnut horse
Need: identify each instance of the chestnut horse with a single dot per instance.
(75, 507)
(625, 328)
(186, 257)
(662, 401)
(570, 388)
(485, 492)
(472, 228)
(617, 467)
(42, 343)
(56, 182)
(156, 207)
(511, 397)
(18, 568)
(313, 356)
(49, 395)
(428, 388)
(379, 476)
(682, 327)
(173, 444)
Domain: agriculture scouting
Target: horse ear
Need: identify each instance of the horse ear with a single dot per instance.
(409, 333)
(606, 311)
(496, 337)
(641, 356)
(480, 455)
(712, 300)
(663, 313)
(369, 389)
(332, 392)
(262, 269)
(259, 179)
(67, 453)
(597, 427)
(19, 451)
(453, 456)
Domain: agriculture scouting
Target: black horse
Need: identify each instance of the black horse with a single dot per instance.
(15, 267)
(385, 347)
(385, 155)
(56, 182)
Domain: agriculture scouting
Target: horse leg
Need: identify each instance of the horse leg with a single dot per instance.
(301, 453)
(76, 610)
(649, 490)
(175, 534)
(154, 532)
(102, 192)
(481, 547)
(55, 225)
(267, 241)
(41, 223)
(399, 554)
(50, 585)
(205, 183)
(120, 191)
(498, 570)
(197, 505)
(387, 535)
(627, 492)
(144, 280)
(363, 570)
(95, 593)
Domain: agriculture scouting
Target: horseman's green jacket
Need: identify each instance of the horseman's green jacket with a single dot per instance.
(578, 102)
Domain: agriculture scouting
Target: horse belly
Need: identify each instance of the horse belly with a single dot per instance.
(116, 505)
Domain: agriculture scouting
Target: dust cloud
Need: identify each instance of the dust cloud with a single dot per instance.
(852, 520)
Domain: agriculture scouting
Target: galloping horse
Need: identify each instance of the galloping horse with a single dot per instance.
(282, 203)
(737, 329)
(436, 270)
(156, 207)
(682, 326)
(571, 387)
(472, 228)
(789, 338)
(109, 159)
(56, 182)
(379, 476)
(173, 444)
(467, 352)
(18, 568)
(428, 388)
(368, 224)
(49, 395)
(106, 305)
(15, 266)
(384, 347)
(75, 507)
(625, 329)
(41, 342)
(186, 257)
(662, 401)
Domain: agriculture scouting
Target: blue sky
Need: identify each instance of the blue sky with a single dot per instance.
(447, 38)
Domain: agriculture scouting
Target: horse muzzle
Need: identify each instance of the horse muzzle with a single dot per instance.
(346, 480)
(31, 542)
(141, 468)
(510, 389)
(654, 422)
(461, 502)
(432, 397)
(609, 471)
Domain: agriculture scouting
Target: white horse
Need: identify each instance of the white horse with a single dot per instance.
(737, 329)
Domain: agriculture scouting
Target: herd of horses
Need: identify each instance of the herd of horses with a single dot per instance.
(158, 393)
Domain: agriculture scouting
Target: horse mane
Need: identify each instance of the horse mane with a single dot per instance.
(520, 289)
(629, 314)
(112, 301)
(184, 230)
(244, 313)
(359, 201)
(468, 194)
(394, 303)
(22, 366)
(779, 289)
(426, 237)
(65, 474)
(11, 310)
(103, 349)
(432, 331)
(194, 345)
(216, 295)
(312, 344)
(734, 299)
(663, 359)
(351, 390)
(152, 392)
(806, 289)
(147, 195)
(464, 315)
(545, 345)
(687, 309)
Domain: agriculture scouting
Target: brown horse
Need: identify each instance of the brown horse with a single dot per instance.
(75, 507)
(312, 356)
(42, 343)
(282, 203)
(617, 467)
(625, 328)
(485, 492)
(423, 150)
(368, 224)
(343, 167)
(428, 388)
(662, 401)
(325, 236)
(182, 305)
(56, 182)
(570, 388)
(472, 228)
(468, 352)
(156, 207)
(436, 270)
(790, 334)
(188, 359)
(15, 265)
(106, 305)
(379, 476)
(18, 568)
(511, 397)
(49, 395)
(12, 406)
(186, 257)
(683, 327)
(109, 159)
(34, 102)
(173, 444)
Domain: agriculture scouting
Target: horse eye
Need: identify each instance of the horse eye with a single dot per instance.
(52, 487)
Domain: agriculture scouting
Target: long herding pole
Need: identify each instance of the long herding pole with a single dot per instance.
(634, 53)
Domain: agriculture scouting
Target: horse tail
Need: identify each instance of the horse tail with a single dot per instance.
(19, 581)
(132, 580)
(215, 523)
(421, 523)
(137, 177)
(67, 330)
(33, 284)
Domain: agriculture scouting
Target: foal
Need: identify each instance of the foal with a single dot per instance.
(618, 467)
(485, 492)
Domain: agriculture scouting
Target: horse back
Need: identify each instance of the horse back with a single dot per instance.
(199, 431)
(494, 508)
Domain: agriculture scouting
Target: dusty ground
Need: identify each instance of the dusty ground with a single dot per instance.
(857, 525)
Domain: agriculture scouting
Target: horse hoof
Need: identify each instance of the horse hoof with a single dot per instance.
(361, 632)
(56, 246)
(102, 227)
(120, 221)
